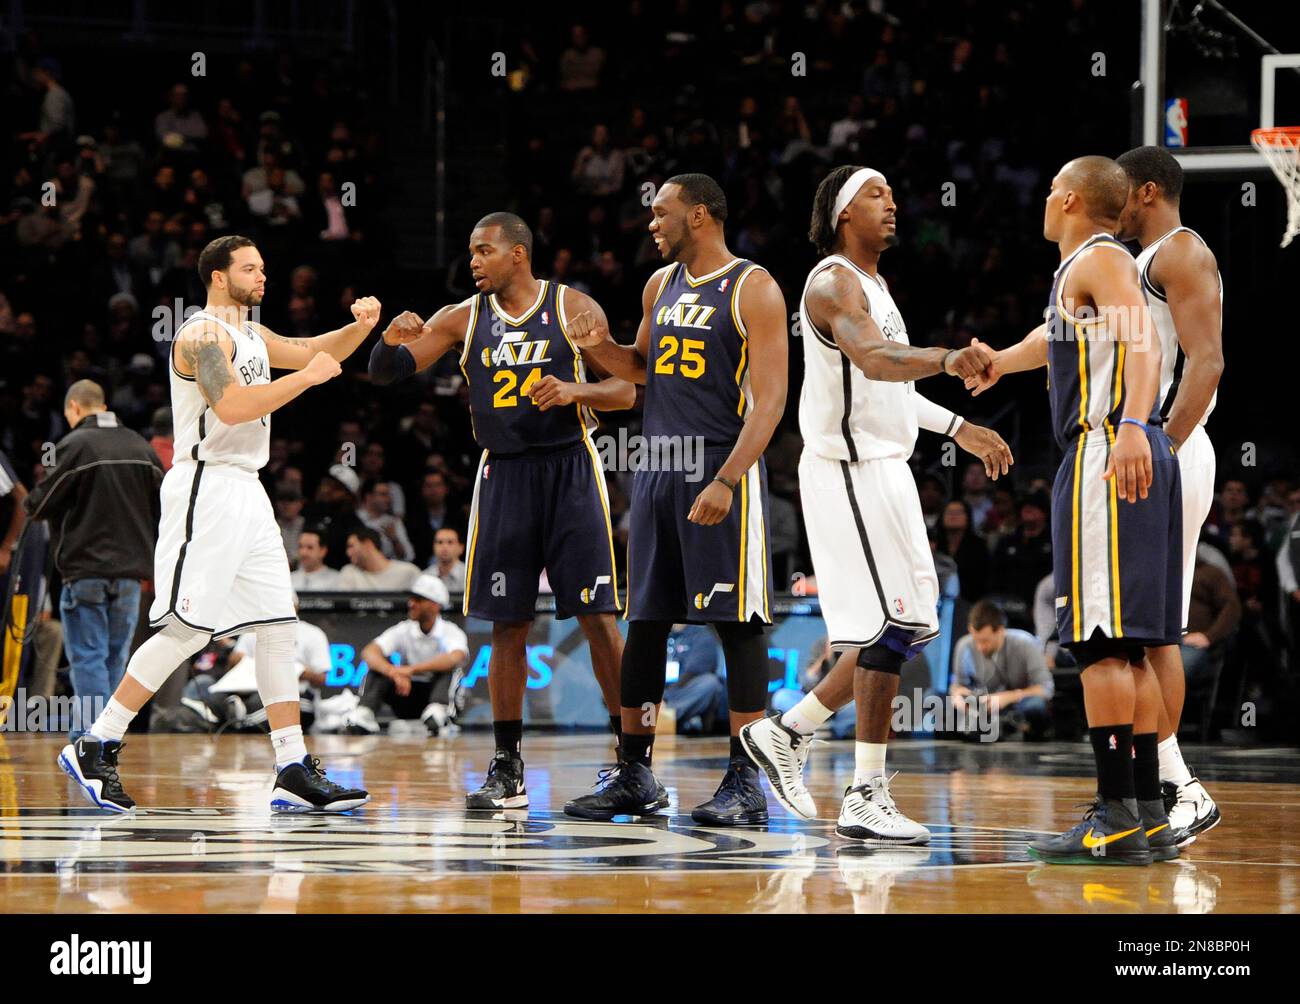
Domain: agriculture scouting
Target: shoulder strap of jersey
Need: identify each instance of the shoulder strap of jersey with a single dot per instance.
(667, 278)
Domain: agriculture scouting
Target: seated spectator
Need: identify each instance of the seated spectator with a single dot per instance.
(1005, 668)
(375, 512)
(312, 574)
(447, 549)
(311, 656)
(1212, 618)
(288, 514)
(334, 511)
(373, 466)
(598, 168)
(369, 570)
(581, 62)
(1024, 556)
(178, 126)
(422, 682)
(429, 515)
(958, 540)
(977, 490)
(698, 694)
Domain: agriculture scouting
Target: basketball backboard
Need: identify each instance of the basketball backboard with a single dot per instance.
(1210, 75)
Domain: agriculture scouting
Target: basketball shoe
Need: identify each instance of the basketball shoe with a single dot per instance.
(303, 787)
(503, 787)
(1160, 835)
(869, 814)
(1110, 833)
(782, 753)
(1191, 810)
(628, 789)
(92, 763)
(739, 800)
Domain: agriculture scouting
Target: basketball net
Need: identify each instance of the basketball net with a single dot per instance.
(1281, 148)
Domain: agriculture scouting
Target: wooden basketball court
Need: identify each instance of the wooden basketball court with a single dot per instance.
(204, 840)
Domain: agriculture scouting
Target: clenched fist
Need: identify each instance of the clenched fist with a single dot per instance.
(404, 328)
(551, 392)
(969, 362)
(366, 311)
(322, 367)
(586, 331)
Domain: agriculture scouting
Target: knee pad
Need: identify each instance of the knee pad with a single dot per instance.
(156, 660)
(881, 658)
(276, 668)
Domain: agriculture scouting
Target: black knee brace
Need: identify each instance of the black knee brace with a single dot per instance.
(645, 656)
(881, 658)
(745, 648)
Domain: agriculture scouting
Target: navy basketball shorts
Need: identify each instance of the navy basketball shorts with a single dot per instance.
(681, 571)
(534, 511)
(1117, 566)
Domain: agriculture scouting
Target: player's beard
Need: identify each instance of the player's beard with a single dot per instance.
(246, 296)
(891, 240)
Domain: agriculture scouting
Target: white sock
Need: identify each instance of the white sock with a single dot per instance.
(868, 762)
(1172, 767)
(288, 745)
(805, 716)
(113, 721)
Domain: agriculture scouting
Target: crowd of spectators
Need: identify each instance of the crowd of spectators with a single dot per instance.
(371, 488)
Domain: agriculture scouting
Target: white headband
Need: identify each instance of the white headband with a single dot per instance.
(851, 188)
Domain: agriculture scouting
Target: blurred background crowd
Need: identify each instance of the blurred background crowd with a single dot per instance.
(111, 192)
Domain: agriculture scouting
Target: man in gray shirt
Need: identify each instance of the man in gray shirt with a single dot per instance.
(1006, 668)
(369, 570)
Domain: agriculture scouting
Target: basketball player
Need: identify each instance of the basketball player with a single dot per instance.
(220, 567)
(711, 352)
(859, 414)
(1116, 510)
(539, 497)
(1184, 292)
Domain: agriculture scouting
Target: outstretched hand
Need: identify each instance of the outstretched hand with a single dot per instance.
(366, 310)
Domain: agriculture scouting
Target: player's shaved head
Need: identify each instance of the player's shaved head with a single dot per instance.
(513, 229)
(1102, 185)
(86, 395)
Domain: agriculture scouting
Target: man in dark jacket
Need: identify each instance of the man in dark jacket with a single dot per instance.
(101, 499)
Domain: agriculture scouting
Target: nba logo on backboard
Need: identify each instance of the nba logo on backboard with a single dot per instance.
(1176, 122)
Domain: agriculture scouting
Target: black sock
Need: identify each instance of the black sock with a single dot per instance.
(737, 750)
(509, 736)
(1146, 767)
(1112, 747)
(636, 746)
(616, 726)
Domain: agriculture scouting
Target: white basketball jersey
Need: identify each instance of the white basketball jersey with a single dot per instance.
(1171, 353)
(842, 414)
(200, 435)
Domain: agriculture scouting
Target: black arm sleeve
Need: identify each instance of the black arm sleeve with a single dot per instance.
(390, 363)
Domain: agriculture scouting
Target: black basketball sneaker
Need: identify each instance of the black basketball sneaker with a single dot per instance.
(504, 786)
(628, 789)
(739, 800)
(303, 787)
(1110, 833)
(92, 763)
(1160, 835)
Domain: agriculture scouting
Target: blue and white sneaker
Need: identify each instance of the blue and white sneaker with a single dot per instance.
(303, 787)
(92, 763)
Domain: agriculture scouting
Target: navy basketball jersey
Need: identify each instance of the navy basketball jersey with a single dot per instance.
(1085, 359)
(504, 357)
(697, 374)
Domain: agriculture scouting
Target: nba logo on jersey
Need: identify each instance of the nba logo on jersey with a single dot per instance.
(1176, 122)
(487, 469)
(184, 605)
(1114, 745)
(898, 605)
(546, 317)
(722, 286)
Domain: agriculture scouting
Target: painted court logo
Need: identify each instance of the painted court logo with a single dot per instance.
(75, 957)
(702, 601)
(588, 595)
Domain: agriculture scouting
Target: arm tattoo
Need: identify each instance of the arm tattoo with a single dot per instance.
(302, 343)
(211, 370)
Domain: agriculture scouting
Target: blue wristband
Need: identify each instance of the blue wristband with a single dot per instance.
(1133, 421)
